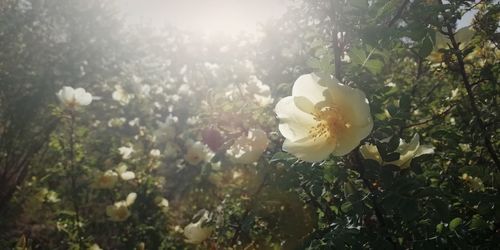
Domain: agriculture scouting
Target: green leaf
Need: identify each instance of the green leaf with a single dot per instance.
(387, 8)
(357, 55)
(374, 66)
(346, 207)
(455, 223)
(439, 228)
(477, 222)
(427, 44)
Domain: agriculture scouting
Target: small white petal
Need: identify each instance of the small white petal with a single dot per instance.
(308, 86)
(309, 149)
(295, 121)
(424, 150)
(130, 199)
(128, 175)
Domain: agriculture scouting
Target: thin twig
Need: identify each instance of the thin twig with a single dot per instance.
(434, 117)
(236, 235)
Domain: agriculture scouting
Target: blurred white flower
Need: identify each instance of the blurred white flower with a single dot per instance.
(474, 183)
(124, 174)
(162, 203)
(184, 90)
(325, 118)
(116, 122)
(155, 153)
(134, 122)
(106, 180)
(247, 149)
(197, 152)
(407, 151)
(260, 92)
(120, 95)
(196, 233)
(94, 247)
(465, 147)
(73, 98)
(119, 210)
(126, 152)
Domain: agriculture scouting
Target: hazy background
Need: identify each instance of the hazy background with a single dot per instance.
(214, 16)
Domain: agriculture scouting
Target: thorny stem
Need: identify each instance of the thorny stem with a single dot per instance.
(472, 99)
(373, 194)
(337, 39)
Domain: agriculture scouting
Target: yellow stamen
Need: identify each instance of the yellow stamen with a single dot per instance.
(330, 123)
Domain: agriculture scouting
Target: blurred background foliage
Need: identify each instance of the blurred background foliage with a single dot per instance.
(161, 91)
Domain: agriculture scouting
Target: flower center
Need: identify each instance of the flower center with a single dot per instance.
(330, 122)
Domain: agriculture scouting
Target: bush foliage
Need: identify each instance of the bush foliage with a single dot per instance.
(151, 153)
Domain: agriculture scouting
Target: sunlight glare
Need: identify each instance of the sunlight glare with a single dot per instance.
(213, 17)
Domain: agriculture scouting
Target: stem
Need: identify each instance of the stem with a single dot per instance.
(337, 44)
(399, 13)
(337, 55)
(434, 117)
(73, 174)
(373, 195)
(236, 235)
(472, 99)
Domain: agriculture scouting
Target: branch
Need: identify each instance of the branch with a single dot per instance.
(434, 117)
(399, 13)
(373, 194)
(236, 235)
(472, 99)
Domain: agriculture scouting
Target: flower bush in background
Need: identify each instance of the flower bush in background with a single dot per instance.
(293, 138)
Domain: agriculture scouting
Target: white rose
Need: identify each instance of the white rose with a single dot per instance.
(119, 210)
(106, 180)
(197, 153)
(320, 119)
(74, 97)
(407, 151)
(126, 152)
(247, 149)
(196, 233)
(120, 95)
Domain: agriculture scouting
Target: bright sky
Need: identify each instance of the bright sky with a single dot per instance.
(209, 16)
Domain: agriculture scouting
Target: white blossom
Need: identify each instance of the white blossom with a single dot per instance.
(248, 148)
(74, 97)
(323, 118)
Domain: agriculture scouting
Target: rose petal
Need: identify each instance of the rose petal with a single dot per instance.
(310, 149)
(295, 123)
(308, 86)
